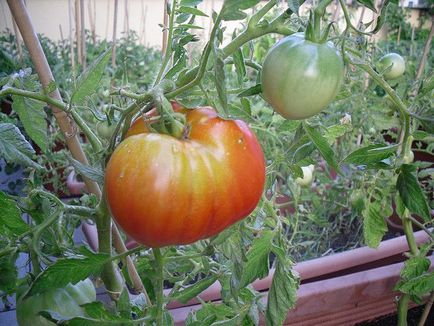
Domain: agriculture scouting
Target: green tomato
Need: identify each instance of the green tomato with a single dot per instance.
(64, 301)
(307, 176)
(300, 78)
(393, 65)
(104, 130)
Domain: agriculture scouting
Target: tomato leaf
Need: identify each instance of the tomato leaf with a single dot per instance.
(254, 90)
(415, 266)
(10, 217)
(220, 77)
(283, 293)
(418, 286)
(89, 80)
(191, 11)
(411, 193)
(8, 271)
(240, 68)
(87, 171)
(370, 154)
(186, 294)
(257, 262)
(370, 4)
(323, 147)
(33, 116)
(232, 9)
(69, 270)
(374, 223)
(14, 148)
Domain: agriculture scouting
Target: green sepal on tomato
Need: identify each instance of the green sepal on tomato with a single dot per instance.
(163, 190)
(64, 301)
(301, 77)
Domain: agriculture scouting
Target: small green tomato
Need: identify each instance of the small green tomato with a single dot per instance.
(393, 65)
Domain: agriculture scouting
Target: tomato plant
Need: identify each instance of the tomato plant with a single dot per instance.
(392, 65)
(307, 175)
(64, 301)
(204, 173)
(301, 77)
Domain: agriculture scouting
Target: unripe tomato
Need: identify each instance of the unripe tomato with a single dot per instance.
(300, 78)
(307, 176)
(64, 301)
(104, 130)
(167, 191)
(396, 64)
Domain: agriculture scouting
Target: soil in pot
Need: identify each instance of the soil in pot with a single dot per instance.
(413, 318)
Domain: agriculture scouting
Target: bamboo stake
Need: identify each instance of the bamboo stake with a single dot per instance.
(426, 50)
(362, 14)
(115, 20)
(336, 11)
(83, 35)
(71, 42)
(77, 31)
(66, 125)
(17, 42)
(165, 26)
(107, 20)
(127, 19)
(92, 20)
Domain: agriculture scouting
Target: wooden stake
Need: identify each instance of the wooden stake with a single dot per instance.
(426, 50)
(83, 35)
(127, 19)
(92, 20)
(115, 20)
(71, 41)
(165, 27)
(18, 42)
(77, 31)
(66, 125)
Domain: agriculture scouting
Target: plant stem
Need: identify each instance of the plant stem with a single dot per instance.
(426, 310)
(33, 95)
(402, 309)
(110, 274)
(405, 298)
(421, 226)
(159, 295)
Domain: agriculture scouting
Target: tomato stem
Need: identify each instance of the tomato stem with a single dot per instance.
(159, 295)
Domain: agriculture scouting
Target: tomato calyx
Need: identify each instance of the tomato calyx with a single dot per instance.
(313, 31)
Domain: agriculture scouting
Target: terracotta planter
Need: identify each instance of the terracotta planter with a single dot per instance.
(340, 289)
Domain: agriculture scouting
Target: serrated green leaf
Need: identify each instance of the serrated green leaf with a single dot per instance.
(282, 295)
(8, 271)
(186, 294)
(191, 11)
(254, 90)
(89, 80)
(240, 68)
(411, 193)
(370, 154)
(220, 78)
(70, 270)
(336, 131)
(33, 117)
(323, 147)
(190, 26)
(370, 4)
(14, 148)
(415, 266)
(10, 217)
(89, 172)
(418, 286)
(374, 223)
(257, 262)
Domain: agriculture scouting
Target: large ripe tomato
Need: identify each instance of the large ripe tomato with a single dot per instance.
(64, 301)
(167, 191)
(300, 78)
(392, 64)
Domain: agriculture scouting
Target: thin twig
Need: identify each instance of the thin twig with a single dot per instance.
(426, 310)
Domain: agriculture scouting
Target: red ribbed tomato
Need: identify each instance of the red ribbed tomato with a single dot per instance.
(167, 191)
